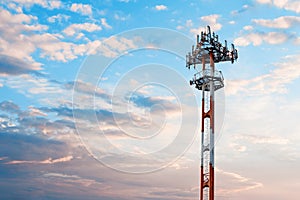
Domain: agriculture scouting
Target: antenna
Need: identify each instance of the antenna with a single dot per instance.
(207, 52)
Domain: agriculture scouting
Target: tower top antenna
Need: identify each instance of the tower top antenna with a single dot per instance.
(208, 43)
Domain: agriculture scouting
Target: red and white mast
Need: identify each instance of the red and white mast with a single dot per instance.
(207, 52)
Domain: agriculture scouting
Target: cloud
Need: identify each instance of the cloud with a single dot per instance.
(161, 7)
(248, 28)
(45, 91)
(292, 5)
(11, 42)
(150, 101)
(15, 7)
(283, 22)
(238, 147)
(3, 158)
(77, 28)
(258, 139)
(19, 18)
(14, 66)
(51, 45)
(45, 126)
(210, 20)
(121, 17)
(10, 107)
(73, 179)
(105, 24)
(84, 9)
(234, 183)
(258, 38)
(13, 45)
(28, 147)
(243, 9)
(188, 24)
(58, 18)
(32, 111)
(44, 3)
(87, 88)
(54, 49)
(47, 161)
(36, 120)
(113, 46)
(273, 82)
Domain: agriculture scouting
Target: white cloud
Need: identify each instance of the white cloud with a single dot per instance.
(238, 147)
(44, 3)
(32, 111)
(121, 17)
(179, 27)
(105, 24)
(112, 46)
(248, 28)
(40, 88)
(88, 48)
(47, 161)
(189, 23)
(51, 47)
(258, 139)
(292, 5)
(8, 18)
(14, 7)
(161, 7)
(77, 28)
(13, 40)
(72, 179)
(84, 9)
(234, 183)
(58, 18)
(55, 4)
(79, 36)
(54, 49)
(210, 20)
(235, 86)
(61, 175)
(283, 22)
(27, 32)
(15, 66)
(259, 38)
(276, 81)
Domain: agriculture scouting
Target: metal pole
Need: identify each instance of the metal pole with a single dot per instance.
(211, 140)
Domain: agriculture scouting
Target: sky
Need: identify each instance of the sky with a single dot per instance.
(95, 101)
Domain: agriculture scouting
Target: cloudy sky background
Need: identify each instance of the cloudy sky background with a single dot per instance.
(69, 131)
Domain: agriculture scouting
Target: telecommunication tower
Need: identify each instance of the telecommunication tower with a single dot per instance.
(206, 53)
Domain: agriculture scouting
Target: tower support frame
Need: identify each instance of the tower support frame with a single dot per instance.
(207, 52)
